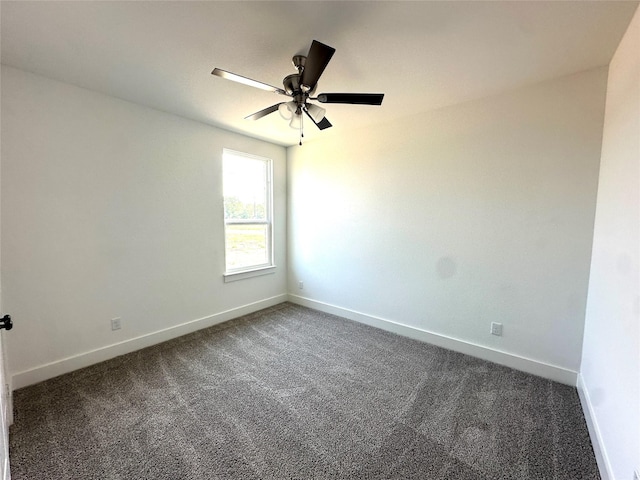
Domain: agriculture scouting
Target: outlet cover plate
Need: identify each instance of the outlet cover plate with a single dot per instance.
(496, 329)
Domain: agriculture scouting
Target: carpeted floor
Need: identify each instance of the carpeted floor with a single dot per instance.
(291, 393)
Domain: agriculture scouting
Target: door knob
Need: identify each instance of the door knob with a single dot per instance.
(5, 322)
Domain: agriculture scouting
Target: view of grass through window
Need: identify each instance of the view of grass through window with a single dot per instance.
(247, 214)
(246, 246)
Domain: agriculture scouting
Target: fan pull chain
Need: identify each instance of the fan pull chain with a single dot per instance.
(301, 132)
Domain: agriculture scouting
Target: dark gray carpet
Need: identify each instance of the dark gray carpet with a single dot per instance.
(291, 393)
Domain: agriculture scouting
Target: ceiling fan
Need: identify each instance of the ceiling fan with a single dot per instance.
(300, 87)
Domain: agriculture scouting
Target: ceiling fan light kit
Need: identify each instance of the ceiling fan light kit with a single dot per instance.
(315, 112)
(296, 122)
(287, 110)
(300, 87)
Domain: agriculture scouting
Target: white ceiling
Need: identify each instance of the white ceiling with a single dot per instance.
(422, 55)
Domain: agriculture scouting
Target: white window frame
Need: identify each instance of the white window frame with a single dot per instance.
(259, 269)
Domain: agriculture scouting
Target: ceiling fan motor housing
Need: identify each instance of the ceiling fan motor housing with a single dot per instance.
(293, 87)
(292, 84)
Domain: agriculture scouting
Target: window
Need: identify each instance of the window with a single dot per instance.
(248, 229)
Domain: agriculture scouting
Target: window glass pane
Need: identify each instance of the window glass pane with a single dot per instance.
(245, 188)
(246, 245)
(247, 211)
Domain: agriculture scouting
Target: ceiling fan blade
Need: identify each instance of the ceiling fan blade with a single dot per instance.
(246, 81)
(264, 112)
(317, 60)
(322, 124)
(353, 98)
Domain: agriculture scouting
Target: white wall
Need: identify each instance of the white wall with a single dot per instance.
(110, 209)
(456, 218)
(610, 371)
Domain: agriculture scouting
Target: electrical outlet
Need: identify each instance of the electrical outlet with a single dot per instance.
(301, 285)
(496, 329)
(116, 323)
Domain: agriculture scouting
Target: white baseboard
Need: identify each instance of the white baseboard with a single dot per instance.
(594, 431)
(9, 406)
(75, 362)
(69, 364)
(535, 367)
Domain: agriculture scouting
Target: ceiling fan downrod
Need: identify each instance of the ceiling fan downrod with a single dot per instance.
(299, 62)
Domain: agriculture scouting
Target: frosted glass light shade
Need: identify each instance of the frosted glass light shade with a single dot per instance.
(316, 112)
(296, 121)
(287, 110)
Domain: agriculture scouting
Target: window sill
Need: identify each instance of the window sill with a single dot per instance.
(234, 276)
